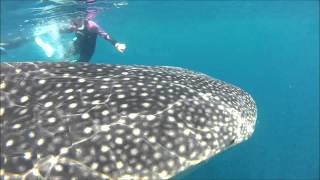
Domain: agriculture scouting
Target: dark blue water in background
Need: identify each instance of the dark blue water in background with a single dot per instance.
(268, 48)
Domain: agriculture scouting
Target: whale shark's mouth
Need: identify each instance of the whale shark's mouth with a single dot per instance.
(244, 130)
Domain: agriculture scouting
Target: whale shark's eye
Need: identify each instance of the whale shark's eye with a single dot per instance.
(232, 141)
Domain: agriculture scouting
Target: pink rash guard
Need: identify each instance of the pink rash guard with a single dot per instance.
(92, 28)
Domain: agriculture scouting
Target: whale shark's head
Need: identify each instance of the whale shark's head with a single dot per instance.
(86, 121)
(237, 109)
(233, 111)
(243, 114)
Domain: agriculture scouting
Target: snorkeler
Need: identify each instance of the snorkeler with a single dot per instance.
(84, 43)
(86, 31)
(13, 43)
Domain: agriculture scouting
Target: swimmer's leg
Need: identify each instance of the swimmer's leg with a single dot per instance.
(14, 43)
(3, 51)
(85, 56)
(86, 53)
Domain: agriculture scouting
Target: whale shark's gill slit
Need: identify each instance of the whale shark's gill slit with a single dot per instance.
(88, 121)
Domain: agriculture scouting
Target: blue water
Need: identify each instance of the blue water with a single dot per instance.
(268, 48)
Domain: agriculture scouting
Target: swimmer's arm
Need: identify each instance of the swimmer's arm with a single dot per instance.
(106, 36)
(95, 27)
(119, 46)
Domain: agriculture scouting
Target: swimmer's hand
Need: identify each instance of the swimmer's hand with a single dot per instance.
(120, 47)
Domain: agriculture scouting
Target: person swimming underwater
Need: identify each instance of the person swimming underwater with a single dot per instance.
(84, 43)
(86, 31)
(13, 43)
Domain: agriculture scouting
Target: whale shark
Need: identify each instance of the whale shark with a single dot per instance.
(62, 120)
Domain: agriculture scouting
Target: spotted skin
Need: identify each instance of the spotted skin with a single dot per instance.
(90, 121)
